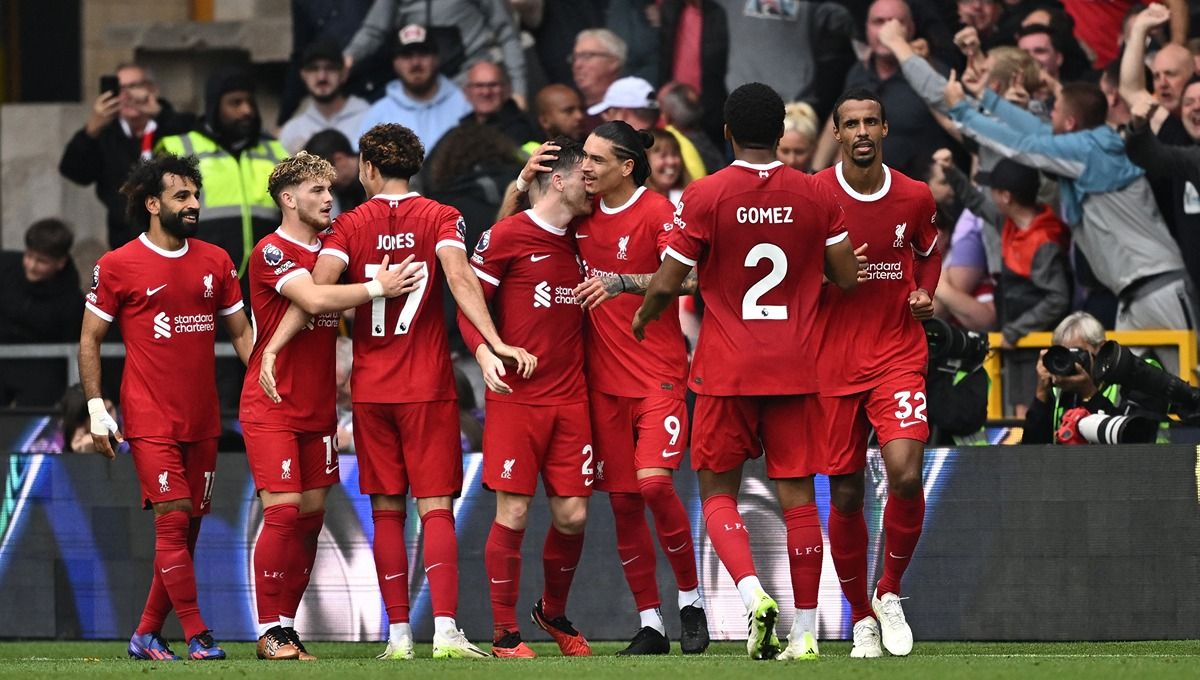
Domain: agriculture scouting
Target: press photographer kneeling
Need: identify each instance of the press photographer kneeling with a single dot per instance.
(956, 384)
(1083, 375)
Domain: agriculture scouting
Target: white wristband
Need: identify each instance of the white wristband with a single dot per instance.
(522, 185)
(374, 288)
(96, 405)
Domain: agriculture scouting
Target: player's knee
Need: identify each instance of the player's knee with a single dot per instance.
(181, 504)
(571, 520)
(656, 489)
(626, 504)
(905, 484)
(512, 514)
(847, 498)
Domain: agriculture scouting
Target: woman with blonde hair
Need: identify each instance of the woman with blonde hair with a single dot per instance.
(799, 140)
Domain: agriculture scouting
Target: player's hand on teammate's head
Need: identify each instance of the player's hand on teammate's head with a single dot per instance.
(534, 165)
(921, 304)
(860, 253)
(592, 293)
(524, 362)
(103, 427)
(493, 370)
(266, 377)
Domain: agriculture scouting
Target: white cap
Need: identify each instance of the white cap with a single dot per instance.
(626, 93)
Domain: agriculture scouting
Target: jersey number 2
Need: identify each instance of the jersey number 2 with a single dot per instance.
(779, 266)
(408, 312)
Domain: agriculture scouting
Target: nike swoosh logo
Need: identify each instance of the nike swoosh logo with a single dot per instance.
(587, 482)
(847, 580)
(897, 557)
(152, 291)
(564, 569)
(498, 582)
(909, 423)
(331, 470)
(432, 566)
(392, 577)
(537, 258)
(675, 550)
(625, 562)
(582, 235)
(669, 454)
(177, 566)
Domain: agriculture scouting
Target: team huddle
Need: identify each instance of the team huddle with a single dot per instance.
(813, 287)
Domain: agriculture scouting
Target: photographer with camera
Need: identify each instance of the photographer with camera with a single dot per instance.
(1076, 340)
(957, 385)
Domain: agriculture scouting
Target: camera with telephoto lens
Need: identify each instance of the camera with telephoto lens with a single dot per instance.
(1100, 428)
(1117, 365)
(948, 344)
(1061, 360)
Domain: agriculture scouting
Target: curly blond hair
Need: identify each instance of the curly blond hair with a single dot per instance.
(294, 171)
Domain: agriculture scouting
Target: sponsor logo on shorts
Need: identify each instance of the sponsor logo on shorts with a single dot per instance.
(600, 470)
(670, 454)
(910, 423)
(163, 486)
(286, 469)
(508, 468)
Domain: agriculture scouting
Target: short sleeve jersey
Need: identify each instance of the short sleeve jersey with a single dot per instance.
(401, 354)
(897, 224)
(630, 239)
(167, 304)
(304, 375)
(529, 268)
(757, 236)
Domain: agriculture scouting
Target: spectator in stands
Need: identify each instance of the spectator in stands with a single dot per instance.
(596, 63)
(637, 23)
(1171, 68)
(628, 99)
(473, 166)
(1110, 85)
(465, 31)
(119, 130)
(694, 51)
(337, 21)
(77, 422)
(236, 158)
(1107, 198)
(799, 140)
(333, 146)
(668, 175)
(984, 16)
(41, 303)
(1076, 64)
(420, 99)
(555, 25)
(559, 112)
(1038, 41)
(682, 115)
(489, 92)
(324, 78)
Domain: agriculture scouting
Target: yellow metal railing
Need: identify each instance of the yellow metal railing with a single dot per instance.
(1183, 341)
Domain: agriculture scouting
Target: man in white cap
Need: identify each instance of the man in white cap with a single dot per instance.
(634, 101)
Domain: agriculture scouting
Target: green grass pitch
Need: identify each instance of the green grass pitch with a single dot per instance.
(94, 660)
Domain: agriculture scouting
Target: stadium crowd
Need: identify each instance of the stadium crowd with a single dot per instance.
(1057, 140)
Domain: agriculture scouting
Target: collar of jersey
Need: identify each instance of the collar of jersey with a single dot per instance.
(165, 253)
(396, 197)
(866, 198)
(758, 166)
(632, 199)
(557, 231)
(313, 248)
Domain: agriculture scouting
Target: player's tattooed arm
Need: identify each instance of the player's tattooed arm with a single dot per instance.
(596, 290)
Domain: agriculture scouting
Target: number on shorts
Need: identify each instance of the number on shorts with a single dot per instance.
(671, 425)
(779, 266)
(328, 439)
(408, 312)
(586, 470)
(208, 487)
(906, 407)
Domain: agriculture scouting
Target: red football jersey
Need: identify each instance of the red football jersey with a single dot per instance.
(757, 236)
(529, 270)
(897, 224)
(304, 375)
(630, 239)
(167, 304)
(401, 353)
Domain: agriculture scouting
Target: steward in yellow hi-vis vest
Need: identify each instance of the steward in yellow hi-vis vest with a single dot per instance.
(236, 159)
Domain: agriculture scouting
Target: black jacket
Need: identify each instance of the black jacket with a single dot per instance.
(49, 311)
(105, 161)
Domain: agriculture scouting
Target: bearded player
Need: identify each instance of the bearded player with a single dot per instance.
(760, 235)
(880, 385)
(166, 290)
(291, 445)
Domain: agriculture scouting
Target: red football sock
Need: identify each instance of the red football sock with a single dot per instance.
(272, 558)
(848, 548)
(502, 561)
(635, 549)
(560, 557)
(804, 545)
(729, 536)
(441, 561)
(673, 529)
(304, 556)
(902, 519)
(158, 602)
(173, 564)
(391, 563)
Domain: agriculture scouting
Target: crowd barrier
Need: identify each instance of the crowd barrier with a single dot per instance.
(1028, 543)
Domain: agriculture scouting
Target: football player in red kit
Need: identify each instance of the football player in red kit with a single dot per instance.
(529, 268)
(290, 434)
(166, 290)
(406, 430)
(760, 235)
(880, 384)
